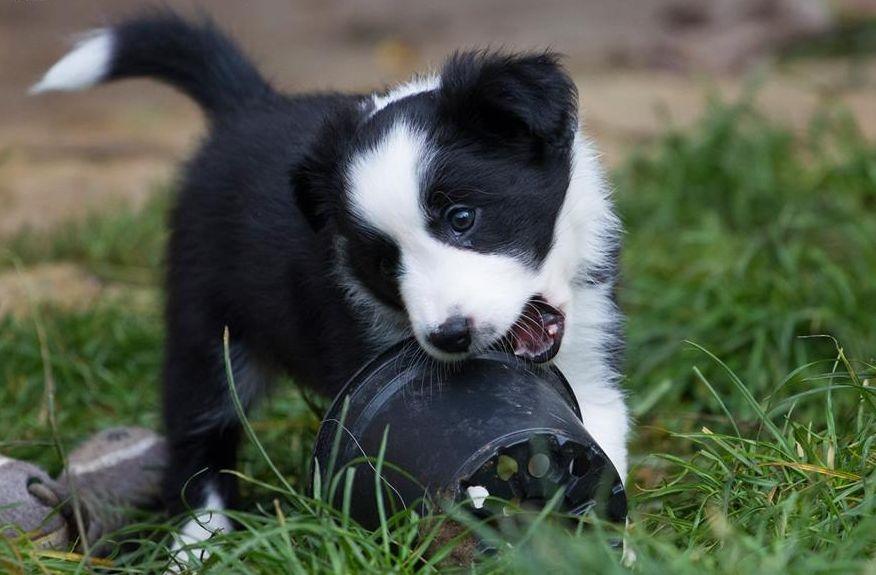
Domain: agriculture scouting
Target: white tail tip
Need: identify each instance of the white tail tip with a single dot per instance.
(87, 64)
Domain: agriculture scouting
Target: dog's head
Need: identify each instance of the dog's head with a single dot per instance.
(444, 195)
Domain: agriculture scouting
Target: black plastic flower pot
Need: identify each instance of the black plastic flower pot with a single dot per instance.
(479, 434)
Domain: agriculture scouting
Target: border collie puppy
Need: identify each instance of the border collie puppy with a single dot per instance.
(464, 208)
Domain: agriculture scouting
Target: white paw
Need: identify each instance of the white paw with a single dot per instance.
(628, 557)
(185, 552)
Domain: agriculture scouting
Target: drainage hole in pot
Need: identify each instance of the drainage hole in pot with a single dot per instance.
(539, 465)
(579, 466)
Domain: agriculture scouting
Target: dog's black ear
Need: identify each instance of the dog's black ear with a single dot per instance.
(508, 96)
(317, 180)
(310, 196)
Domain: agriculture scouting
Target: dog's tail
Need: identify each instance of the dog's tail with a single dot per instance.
(197, 59)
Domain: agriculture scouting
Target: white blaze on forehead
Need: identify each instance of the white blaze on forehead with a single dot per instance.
(385, 182)
(437, 280)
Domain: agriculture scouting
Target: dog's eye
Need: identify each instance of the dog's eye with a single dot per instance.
(460, 218)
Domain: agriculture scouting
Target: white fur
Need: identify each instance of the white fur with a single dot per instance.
(415, 86)
(86, 65)
(436, 280)
(584, 230)
(5, 460)
(204, 525)
(582, 359)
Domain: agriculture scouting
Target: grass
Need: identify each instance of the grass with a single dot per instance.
(749, 286)
(743, 238)
(853, 37)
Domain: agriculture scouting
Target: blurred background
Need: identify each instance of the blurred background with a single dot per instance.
(639, 64)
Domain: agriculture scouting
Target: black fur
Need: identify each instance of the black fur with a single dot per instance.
(261, 213)
(506, 96)
(241, 254)
(200, 61)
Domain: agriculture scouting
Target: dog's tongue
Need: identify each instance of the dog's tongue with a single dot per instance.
(538, 333)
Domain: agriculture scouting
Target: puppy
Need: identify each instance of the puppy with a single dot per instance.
(464, 208)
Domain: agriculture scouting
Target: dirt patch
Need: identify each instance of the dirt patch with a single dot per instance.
(63, 286)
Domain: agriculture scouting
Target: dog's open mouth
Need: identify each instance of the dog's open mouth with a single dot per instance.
(538, 332)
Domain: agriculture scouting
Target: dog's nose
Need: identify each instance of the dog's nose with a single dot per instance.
(452, 336)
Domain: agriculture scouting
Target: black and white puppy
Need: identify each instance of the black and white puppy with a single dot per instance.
(464, 208)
